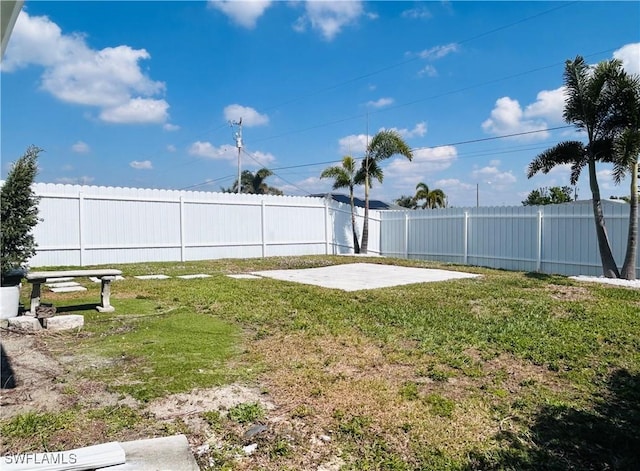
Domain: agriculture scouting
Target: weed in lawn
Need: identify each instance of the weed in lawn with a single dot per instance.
(213, 418)
(440, 405)
(302, 411)
(280, 448)
(247, 413)
(409, 391)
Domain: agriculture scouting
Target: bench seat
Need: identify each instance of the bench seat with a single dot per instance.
(106, 276)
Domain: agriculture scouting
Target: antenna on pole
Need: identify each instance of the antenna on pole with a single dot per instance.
(238, 138)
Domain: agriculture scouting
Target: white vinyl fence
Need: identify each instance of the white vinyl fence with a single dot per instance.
(88, 225)
(550, 239)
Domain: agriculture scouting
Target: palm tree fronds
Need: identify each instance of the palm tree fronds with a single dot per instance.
(566, 152)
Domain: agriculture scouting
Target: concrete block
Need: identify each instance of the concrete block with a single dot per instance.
(66, 322)
(68, 289)
(25, 323)
(157, 454)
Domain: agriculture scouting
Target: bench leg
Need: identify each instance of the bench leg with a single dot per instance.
(105, 293)
(35, 298)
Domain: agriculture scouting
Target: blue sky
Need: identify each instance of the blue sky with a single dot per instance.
(140, 94)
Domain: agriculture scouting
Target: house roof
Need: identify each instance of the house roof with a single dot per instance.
(373, 204)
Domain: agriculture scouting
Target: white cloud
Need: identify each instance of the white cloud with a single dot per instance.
(449, 185)
(110, 78)
(137, 110)
(428, 70)
(494, 176)
(80, 147)
(244, 13)
(629, 54)
(170, 127)
(549, 105)
(380, 103)
(417, 13)
(310, 185)
(84, 180)
(329, 18)
(507, 117)
(141, 165)
(209, 151)
(258, 159)
(355, 144)
(230, 154)
(425, 161)
(250, 117)
(438, 52)
(171, 148)
(419, 130)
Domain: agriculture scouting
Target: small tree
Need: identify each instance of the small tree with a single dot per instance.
(553, 195)
(19, 214)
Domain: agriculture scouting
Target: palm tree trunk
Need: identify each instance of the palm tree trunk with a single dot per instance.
(356, 245)
(609, 268)
(629, 267)
(365, 226)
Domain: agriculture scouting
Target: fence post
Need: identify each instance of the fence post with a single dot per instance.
(80, 223)
(326, 226)
(406, 235)
(466, 237)
(539, 257)
(263, 224)
(182, 228)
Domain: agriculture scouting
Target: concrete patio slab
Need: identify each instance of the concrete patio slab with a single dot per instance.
(68, 289)
(245, 276)
(152, 277)
(359, 276)
(192, 277)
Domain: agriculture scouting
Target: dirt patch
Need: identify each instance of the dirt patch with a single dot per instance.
(44, 383)
(569, 293)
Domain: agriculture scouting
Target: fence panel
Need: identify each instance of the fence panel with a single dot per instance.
(85, 225)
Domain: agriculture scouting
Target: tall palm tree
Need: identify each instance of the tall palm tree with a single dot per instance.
(591, 97)
(345, 177)
(432, 198)
(383, 145)
(627, 150)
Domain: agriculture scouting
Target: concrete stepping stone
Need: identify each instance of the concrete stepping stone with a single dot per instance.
(244, 276)
(152, 277)
(68, 289)
(64, 284)
(190, 277)
(65, 322)
(95, 279)
(55, 280)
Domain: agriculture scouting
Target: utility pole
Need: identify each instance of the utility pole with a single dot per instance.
(477, 195)
(238, 137)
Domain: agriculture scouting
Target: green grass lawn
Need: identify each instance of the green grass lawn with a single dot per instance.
(507, 371)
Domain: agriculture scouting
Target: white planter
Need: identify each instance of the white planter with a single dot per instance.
(9, 301)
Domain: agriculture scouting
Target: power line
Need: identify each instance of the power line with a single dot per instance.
(415, 58)
(376, 72)
(451, 144)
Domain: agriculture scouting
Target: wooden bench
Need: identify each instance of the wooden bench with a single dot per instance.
(106, 276)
